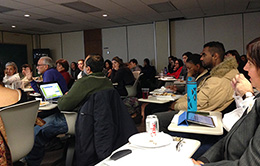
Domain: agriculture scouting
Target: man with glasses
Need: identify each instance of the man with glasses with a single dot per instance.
(45, 66)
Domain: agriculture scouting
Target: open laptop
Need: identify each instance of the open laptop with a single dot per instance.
(51, 91)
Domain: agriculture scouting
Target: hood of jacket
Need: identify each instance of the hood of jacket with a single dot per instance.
(224, 67)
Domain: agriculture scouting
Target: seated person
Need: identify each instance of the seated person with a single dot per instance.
(148, 78)
(214, 93)
(241, 145)
(171, 60)
(184, 71)
(56, 124)
(81, 68)
(45, 66)
(25, 81)
(121, 75)
(74, 70)
(133, 65)
(177, 69)
(195, 69)
(62, 66)
(11, 74)
(8, 97)
(107, 70)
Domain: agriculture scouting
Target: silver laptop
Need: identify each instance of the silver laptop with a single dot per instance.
(51, 91)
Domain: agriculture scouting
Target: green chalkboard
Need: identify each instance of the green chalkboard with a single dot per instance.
(13, 52)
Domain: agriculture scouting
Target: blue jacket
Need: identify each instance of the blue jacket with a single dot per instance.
(52, 75)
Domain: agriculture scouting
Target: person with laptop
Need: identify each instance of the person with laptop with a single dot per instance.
(45, 66)
(56, 124)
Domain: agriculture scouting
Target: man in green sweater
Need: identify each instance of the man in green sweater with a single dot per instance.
(82, 88)
(56, 124)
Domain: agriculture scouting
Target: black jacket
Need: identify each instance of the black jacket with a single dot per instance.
(103, 125)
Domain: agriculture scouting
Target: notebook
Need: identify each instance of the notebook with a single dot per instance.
(50, 91)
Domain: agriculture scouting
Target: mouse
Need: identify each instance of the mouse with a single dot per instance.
(120, 153)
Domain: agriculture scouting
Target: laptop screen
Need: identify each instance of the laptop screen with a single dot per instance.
(51, 90)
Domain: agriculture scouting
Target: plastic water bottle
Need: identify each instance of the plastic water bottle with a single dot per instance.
(192, 94)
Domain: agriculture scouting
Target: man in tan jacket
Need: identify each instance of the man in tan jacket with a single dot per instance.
(214, 93)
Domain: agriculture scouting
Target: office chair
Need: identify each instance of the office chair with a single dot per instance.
(19, 120)
(132, 89)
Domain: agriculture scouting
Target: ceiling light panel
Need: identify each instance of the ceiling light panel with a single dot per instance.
(163, 7)
(54, 21)
(81, 6)
(35, 2)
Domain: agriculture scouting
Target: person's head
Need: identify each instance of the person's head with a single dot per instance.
(2, 73)
(73, 66)
(233, 53)
(62, 65)
(44, 63)
(194, 64)
(117, 63)
(93, 64)
(177, 64)
(212, 54)
(132, 63)
(243, 58)
(81, 64)
(24, 67)
(253, 63)
(185, 56)
(146, 62)
(108, 64)
(11, 68)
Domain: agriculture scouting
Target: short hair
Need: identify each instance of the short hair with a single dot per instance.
(188, 54)
(109, 62)
(194, 59)
(81, 60)
(235, 54)
(26, 65)
(147, 61)
(95, 62)
(12, 64)
(133, 61)
(64, 63)
(119, 60)
(2, 72)
(216, 47)
(47, 61)
(253, 52)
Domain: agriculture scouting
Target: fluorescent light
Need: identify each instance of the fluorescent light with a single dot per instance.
(27, 15)
(13, 26)
(104, 15)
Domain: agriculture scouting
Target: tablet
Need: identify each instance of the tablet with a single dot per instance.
(200, 119)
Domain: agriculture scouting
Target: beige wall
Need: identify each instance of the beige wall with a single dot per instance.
(162, 44)
(53, 42)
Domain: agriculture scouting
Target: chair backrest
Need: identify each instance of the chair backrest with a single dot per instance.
(132, 89)
(136, 74)
(19, 120)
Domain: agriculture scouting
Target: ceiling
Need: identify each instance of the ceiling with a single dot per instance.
(52, 16)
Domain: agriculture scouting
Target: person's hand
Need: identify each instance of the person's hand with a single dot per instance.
(197, 162)
(28, 74)
(172, 105)
(241, 85)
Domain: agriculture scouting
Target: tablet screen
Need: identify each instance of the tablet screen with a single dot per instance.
(200, 119)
